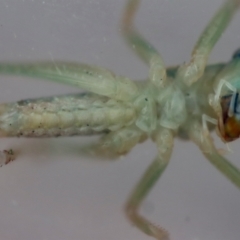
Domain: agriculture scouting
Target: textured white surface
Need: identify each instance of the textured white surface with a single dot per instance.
(52, 193)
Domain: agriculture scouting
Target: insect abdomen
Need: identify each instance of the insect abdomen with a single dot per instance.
(78, 114)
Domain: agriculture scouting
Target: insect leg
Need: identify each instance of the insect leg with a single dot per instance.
(142, 47)
(207, 147)
(89, 78)
(192, 71)
(164, 141)
(115, 144)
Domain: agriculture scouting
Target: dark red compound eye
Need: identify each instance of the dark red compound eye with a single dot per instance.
(229, 126)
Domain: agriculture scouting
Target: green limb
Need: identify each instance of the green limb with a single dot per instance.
(142, 47)
(115, 144)
(89, 78)
(205, 143)
(193, 71)
(164, 141)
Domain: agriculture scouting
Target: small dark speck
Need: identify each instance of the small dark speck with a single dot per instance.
(88, 125)
(146, 99)
(88, 73)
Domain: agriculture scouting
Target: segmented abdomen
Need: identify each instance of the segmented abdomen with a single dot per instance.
(67, 115)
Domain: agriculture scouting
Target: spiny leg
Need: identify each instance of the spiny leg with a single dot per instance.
(205, 143)
(86, 77)
(142, 47)
(115, 144)
(191, 72)
(164, 140)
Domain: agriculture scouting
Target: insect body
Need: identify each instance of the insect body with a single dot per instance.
(185, 101)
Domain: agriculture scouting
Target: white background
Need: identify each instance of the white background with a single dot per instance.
(52, 193)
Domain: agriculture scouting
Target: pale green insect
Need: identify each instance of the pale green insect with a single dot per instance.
(183, 101)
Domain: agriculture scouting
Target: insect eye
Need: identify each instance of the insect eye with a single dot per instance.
(236, 54)
(229, 124)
